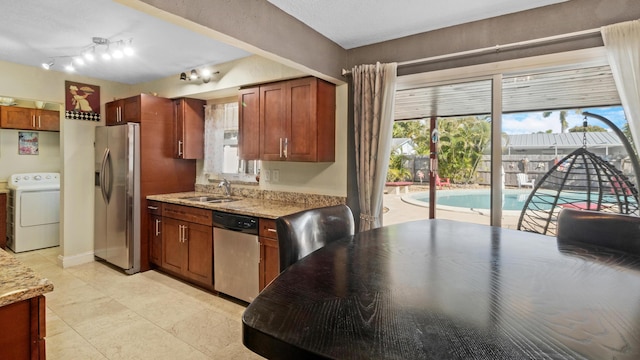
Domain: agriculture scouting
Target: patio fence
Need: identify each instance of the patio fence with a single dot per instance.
(535, 166)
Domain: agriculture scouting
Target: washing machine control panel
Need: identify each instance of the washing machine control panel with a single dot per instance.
(34, 180)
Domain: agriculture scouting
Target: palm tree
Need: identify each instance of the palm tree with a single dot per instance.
(563, 119)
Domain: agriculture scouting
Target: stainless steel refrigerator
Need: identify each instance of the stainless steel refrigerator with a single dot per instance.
(117, 200)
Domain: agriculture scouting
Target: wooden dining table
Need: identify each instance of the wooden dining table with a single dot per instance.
(441, 289)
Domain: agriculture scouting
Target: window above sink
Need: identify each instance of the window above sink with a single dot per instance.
(221, 146)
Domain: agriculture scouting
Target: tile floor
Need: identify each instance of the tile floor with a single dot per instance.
(96, 312)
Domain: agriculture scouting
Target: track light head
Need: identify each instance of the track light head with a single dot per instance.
(183, 76)
(48, 65)
(194, 74)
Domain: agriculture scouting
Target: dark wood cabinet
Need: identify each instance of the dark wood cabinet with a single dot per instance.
(187, 243)
(23, 329)
(296, 121)
(13, 117)
(154, 231)
(189, 128)
(126, 110)
(3, 220)
(273, 122)
(160, 172)
(269, 257)
(249, 126)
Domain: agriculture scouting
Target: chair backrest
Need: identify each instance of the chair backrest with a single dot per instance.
(522, 178)
(302, 233)
(615, 231)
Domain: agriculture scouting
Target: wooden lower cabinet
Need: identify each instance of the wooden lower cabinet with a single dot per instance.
(187, 243)
(269, 256)
(3, 220)
(154, 228)
(23, 329)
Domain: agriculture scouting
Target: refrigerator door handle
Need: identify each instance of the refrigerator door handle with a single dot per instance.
(103, 166)
(109, 167)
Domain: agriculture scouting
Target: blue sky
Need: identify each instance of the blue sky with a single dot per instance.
(527, 123)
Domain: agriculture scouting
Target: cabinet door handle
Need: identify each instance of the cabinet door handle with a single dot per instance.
(33, 121)
(39, 122)
(186, 233)
(180, 234)
(271, 230)
(286, 147)
(152, 207)
(179, 148)
(280, 147)
(157, 227)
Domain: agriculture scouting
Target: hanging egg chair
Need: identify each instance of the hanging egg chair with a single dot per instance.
(581, 180)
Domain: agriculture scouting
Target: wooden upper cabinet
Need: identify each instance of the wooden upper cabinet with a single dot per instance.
(311, 120)
(189, 128)
(131, 109)
(296, 121)
(249, 124)
(13, 117)
(273, 121)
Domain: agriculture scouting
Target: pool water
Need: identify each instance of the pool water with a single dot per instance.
(478, 200)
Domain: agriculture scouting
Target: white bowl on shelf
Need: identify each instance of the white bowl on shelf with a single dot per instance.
(40, 104)
(7, 101)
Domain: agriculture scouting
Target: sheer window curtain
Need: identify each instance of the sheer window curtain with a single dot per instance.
(622, 45)
(217, 119)
(374, 88)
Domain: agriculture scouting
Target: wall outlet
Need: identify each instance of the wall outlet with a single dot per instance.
(275, 175)
(266, 175)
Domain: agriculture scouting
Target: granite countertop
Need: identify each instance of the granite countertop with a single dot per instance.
(18, 282)
(269, 209)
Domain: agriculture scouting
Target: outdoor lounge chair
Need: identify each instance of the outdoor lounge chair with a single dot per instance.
(440, 182)
(524, 181)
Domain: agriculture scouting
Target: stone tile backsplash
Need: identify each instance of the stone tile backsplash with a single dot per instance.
(314, 200)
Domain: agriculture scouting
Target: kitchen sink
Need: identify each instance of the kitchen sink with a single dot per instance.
(209, 199)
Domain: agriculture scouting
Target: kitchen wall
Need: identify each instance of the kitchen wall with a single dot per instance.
(316, 178)
(48, 158)
(70, 152)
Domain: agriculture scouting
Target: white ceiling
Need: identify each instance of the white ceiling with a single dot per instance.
(33, 31)
(354, 23)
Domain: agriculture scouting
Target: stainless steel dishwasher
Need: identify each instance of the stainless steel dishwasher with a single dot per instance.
(236, 255)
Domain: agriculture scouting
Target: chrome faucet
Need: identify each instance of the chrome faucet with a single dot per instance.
(227, 186)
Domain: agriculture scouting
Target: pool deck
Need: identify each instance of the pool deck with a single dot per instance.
(402, 211)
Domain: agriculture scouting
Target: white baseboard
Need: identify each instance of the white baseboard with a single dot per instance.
(69, 261)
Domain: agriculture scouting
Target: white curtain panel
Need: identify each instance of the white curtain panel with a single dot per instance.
(217, 119)
(622, 44)
(374, 88)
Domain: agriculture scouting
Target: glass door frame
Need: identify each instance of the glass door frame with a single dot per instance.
(496, 72)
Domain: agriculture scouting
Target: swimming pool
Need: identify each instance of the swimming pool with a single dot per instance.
(471, 200)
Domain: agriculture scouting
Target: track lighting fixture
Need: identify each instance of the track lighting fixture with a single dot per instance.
(47, 65)
(102, 47)
(205, 75)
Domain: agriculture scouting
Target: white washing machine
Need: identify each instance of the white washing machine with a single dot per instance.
(33, 211)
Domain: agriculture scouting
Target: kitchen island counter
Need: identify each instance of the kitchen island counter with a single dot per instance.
(18, 282)
(22, 310)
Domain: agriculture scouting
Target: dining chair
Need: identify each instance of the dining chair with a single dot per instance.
(611, 230)
(304, 232)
